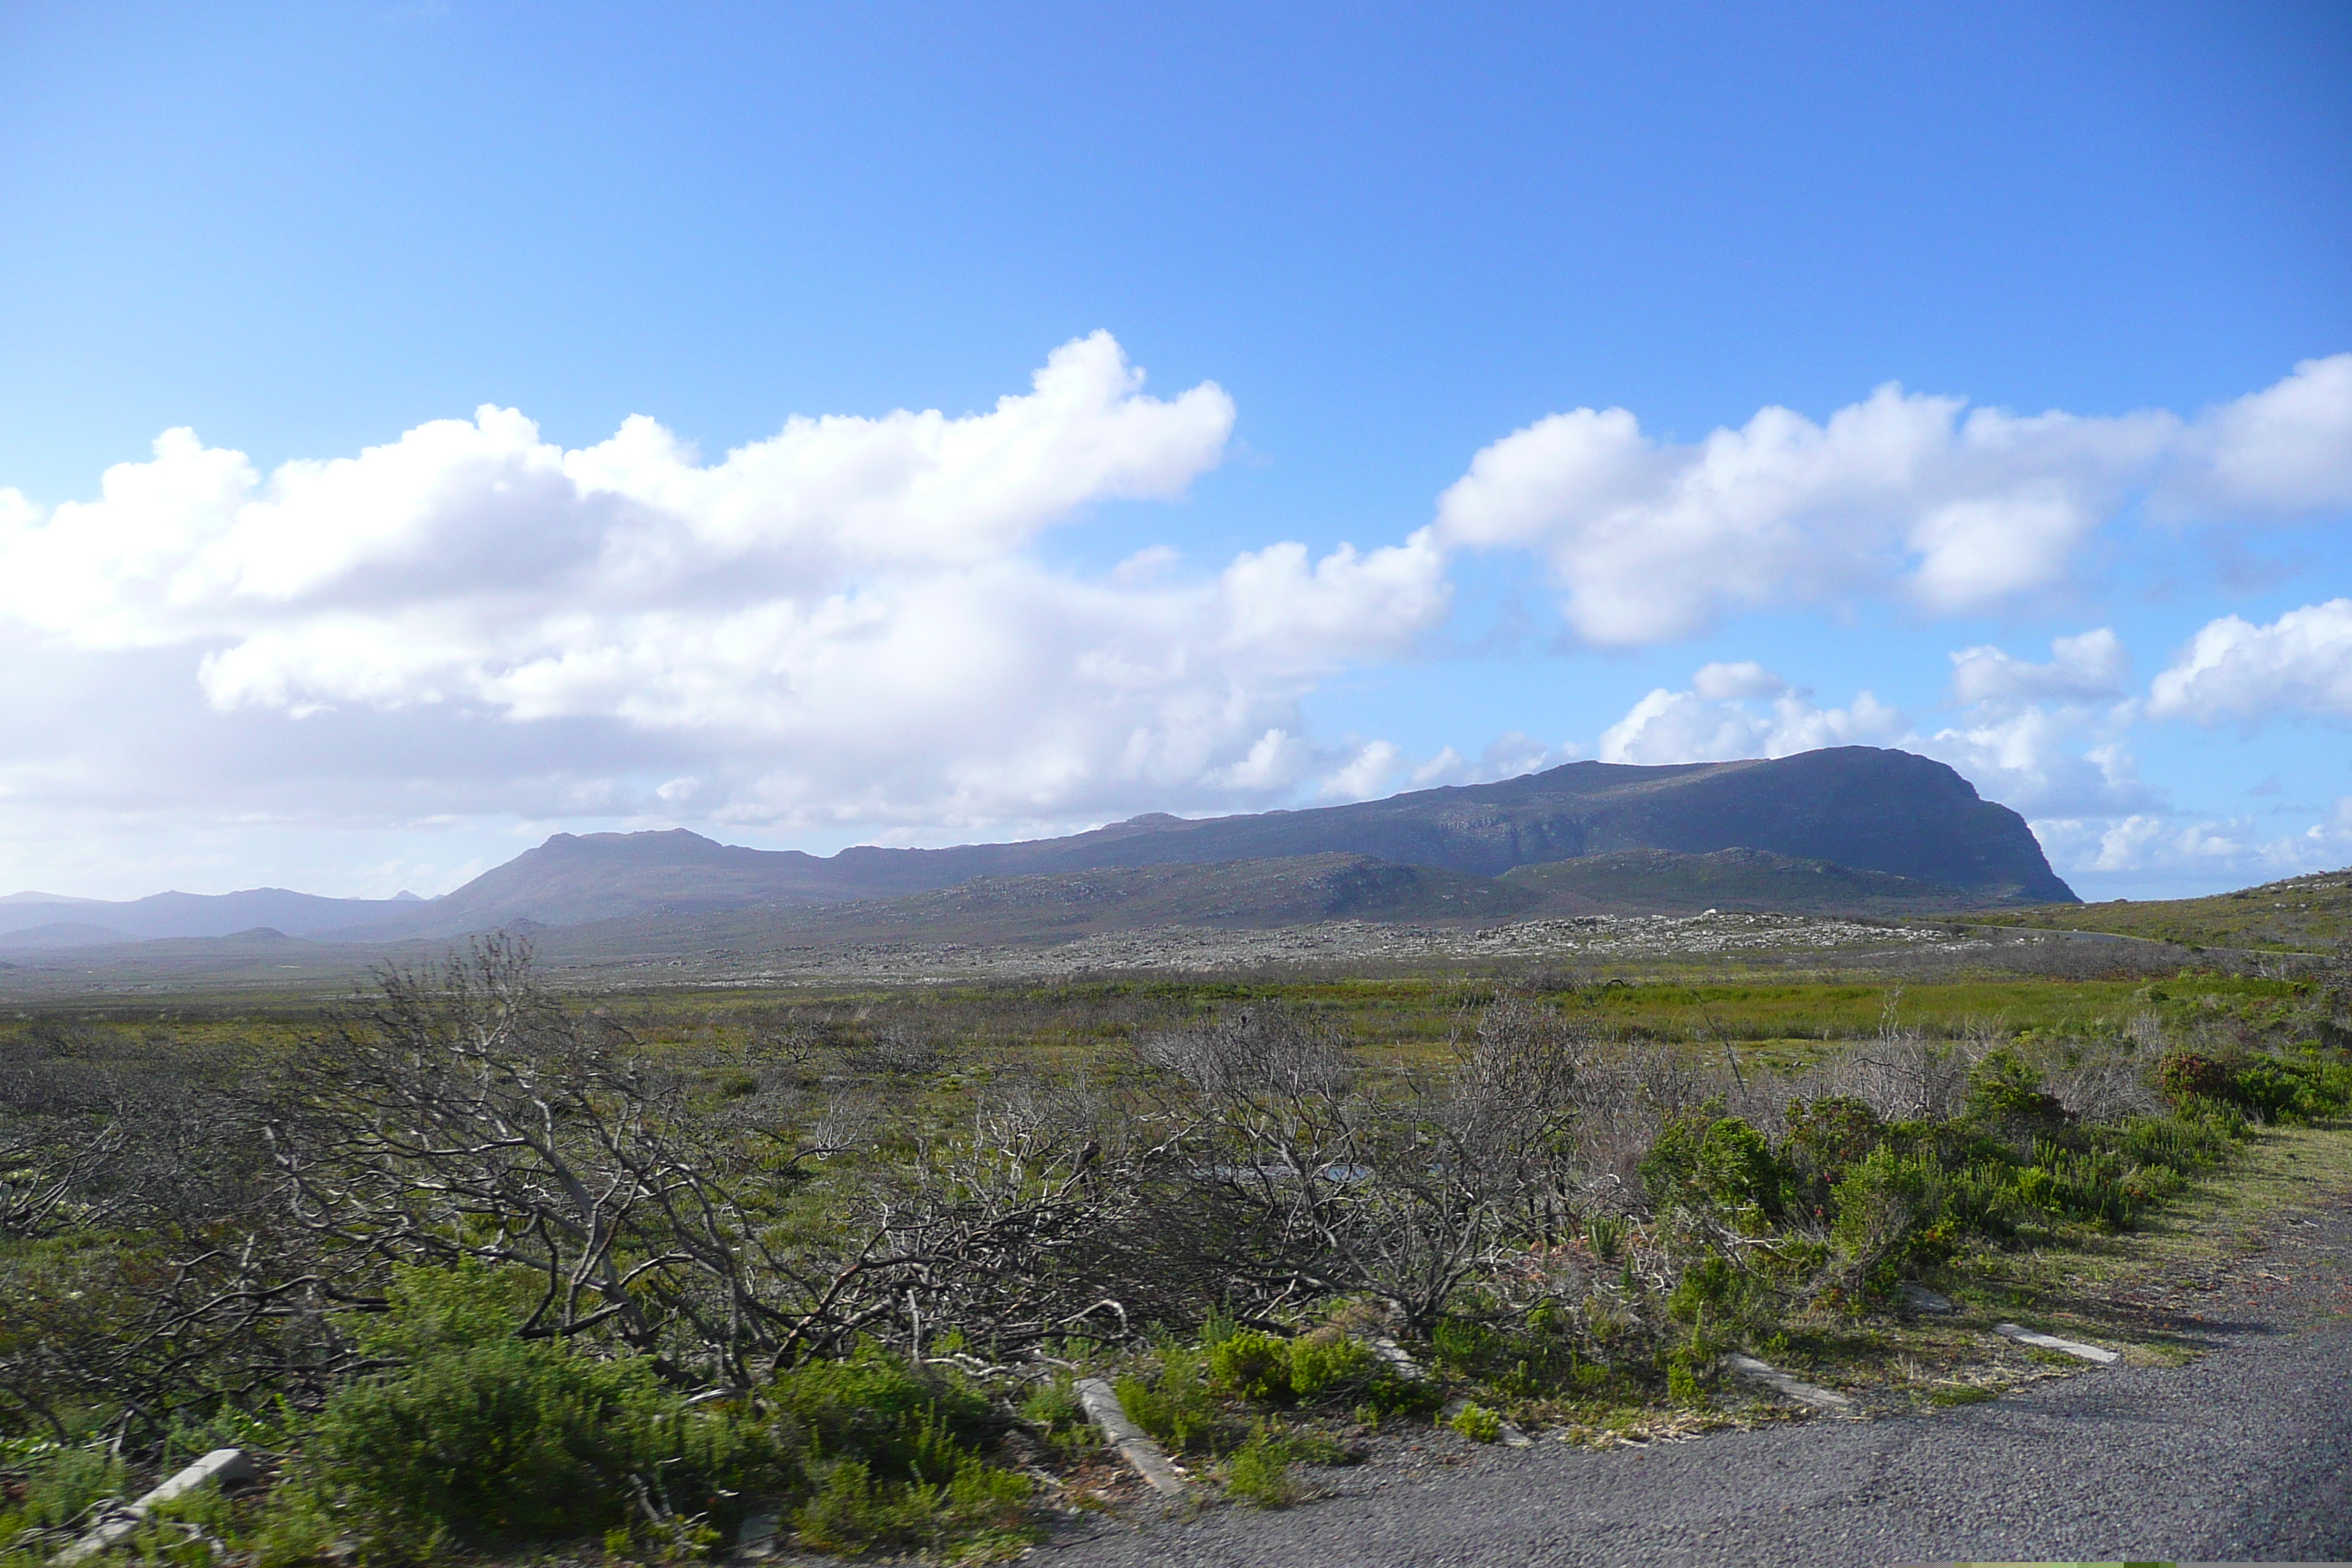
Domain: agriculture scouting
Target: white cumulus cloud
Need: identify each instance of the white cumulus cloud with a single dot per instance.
(1695, 726)
(2285, 451)
(1731, 682)
(2043, 759)
(2208, 848)
(845, 622)
(1507, 756)
(2302, 662)
(2090, 667)
(1959, 509)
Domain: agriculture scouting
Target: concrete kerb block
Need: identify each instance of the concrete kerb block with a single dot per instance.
(2052, 1342)
(224, 1467)
(1143, 1456)
(1781, 1383)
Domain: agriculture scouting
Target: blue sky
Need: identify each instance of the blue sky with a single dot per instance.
(1353, 248)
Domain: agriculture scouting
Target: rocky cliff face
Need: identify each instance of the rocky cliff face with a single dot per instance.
(1854, 806)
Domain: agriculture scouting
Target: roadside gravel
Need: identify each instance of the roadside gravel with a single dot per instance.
(2243, 1454)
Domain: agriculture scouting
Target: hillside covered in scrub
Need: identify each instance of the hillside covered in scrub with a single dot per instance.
(2310, 913)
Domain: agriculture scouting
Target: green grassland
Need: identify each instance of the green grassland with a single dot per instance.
(1777, 1022)
(1773, 1021)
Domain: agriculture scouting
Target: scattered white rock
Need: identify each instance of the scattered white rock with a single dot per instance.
(1146, 1457)
(2052, 1342)
(1185, 948)
(1393, 1353)
(1755, 1371)
(1925, 1300)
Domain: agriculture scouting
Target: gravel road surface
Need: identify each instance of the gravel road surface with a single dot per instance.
(2244, 1454)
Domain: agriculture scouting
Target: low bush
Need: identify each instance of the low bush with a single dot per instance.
(1329, 1364)
(872, 1406)
(477, 1437)
(1174, 1404)
(1887, 1208)
(2186, 1075)
(899, 1454)
(1259, 1471)
(1054, 1409)
(50, 1488)
(1253, 1364)
(2308, 1085)
(2005, 1089)
(1478, 1424)
(948, 1493)
(1714, 1162)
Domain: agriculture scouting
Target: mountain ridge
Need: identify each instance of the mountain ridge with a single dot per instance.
(1865, 812)
(1872, 811)
(160, 916)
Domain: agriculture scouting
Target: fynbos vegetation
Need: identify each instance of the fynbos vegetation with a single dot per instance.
(472, 1266)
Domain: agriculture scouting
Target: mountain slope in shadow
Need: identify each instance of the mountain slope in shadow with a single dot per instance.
(1015, 911)
(1663, 882)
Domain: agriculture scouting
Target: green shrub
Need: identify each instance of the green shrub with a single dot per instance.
(1175, 1405)
(1478, 1424)
(1828, 1138)
(183, 1530)
(1253, 1364)
(850, 1513)
(2003, 1087)
(857, 1510)
(1466, 1345)
(1387, 1392)
(1889, 1208)
(900, 1451)
(481, 1437)
(1328, 1362)
(56, 1485)
(2292, 1088)
(1723, 1162)
(1259, 1471)
(871, 1404)
(1684, 1385)
(1053, 1405)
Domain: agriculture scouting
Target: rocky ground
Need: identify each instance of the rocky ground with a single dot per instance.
(1333, 945)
